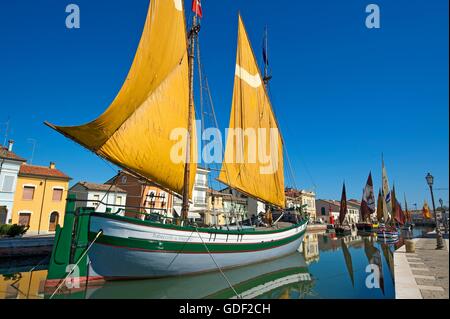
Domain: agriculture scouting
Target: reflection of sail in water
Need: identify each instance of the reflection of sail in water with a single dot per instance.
(374, 258)
(389, 259)
(251, 281)
(348, 261)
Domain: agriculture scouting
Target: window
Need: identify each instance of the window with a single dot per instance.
(8, 182)
(24, 219)
(119, 200)
(323, 211)
(28, 193)
(57, 194)
(96, 199)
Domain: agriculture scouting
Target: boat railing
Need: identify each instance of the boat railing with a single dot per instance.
(152, 216)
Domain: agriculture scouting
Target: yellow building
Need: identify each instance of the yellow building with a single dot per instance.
(26, 285)
(40, 198)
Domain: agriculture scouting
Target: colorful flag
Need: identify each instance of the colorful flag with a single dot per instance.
(197, 8)
(368, 200)
(426, 210)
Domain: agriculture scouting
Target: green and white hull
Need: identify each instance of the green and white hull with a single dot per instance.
(141, 250)
(130, 248)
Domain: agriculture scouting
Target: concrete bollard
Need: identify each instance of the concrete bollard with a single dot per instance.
(410, 246)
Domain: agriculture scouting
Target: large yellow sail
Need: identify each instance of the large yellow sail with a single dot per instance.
(255, 168)
(135, 131)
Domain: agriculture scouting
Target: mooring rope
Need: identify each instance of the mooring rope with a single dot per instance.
(76, 264)
(217, 265)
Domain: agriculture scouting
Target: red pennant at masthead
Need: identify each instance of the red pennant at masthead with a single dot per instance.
(197, 8)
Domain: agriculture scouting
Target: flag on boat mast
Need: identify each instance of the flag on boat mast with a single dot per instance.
(197, 8)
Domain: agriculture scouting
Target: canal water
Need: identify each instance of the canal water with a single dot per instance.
(325, 266)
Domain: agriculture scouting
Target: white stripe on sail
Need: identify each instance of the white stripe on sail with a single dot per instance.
(252, 80)
(178, 5)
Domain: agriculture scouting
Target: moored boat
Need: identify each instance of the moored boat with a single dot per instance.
(343, 228)
(105, 246)
(367, 206)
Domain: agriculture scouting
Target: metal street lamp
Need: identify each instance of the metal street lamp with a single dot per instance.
(443, 215)
(439, 242)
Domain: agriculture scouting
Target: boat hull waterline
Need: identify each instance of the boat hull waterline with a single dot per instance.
(136, 250)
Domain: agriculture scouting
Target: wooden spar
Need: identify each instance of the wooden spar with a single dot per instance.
(187, 168)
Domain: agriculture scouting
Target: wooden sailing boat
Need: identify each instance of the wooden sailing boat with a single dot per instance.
(134, 133)
(367, 207)
(343, 228)
(389, 232)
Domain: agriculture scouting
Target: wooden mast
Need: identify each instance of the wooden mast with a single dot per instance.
(193, 33)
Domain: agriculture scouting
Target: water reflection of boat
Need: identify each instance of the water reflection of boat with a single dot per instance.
(249, 282)
(374, 257)
(389, 256)
(348, 261)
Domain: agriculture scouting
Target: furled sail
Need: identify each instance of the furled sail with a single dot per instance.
(343, 207)
(386, 191)
(135, 131)
(253, 161)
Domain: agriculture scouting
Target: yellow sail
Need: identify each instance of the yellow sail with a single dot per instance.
(253, 167)
(135, 131)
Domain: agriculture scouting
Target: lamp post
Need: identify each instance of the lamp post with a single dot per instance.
(439, 242)
(443, 215)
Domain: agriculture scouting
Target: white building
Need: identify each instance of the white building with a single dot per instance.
(328, 211)
(101, 197)
(297, 198)
(199, 200)
(9, 168)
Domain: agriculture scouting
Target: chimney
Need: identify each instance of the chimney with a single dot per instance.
(52, 165)
(10, 145)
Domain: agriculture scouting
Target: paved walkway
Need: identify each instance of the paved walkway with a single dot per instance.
(423, 274)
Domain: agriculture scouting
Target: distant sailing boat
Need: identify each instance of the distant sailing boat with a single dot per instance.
(389, 232)
(134, 133)
(343, 228)
(367, 207)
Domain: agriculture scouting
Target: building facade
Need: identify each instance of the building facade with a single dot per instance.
(101, 197)
(327, 211)
(40, 197)
(199, 203)
(142, 196)
(302, 198)
(9, 169)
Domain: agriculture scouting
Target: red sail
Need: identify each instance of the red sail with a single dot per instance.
(399, 215)
(343, 209)
(368, 200)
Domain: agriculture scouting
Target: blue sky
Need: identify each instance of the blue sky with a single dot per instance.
(343, 93)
